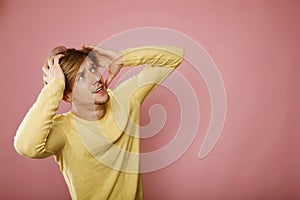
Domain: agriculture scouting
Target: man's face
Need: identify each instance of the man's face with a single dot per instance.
(89, 88)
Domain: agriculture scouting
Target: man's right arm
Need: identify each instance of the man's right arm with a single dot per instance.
(36, 137)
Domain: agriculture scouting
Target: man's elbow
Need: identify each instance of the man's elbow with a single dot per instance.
(25, 149)
(178, 56)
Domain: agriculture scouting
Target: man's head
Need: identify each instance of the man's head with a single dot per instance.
(82, 76)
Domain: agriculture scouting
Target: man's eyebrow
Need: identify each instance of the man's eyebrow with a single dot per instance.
(88, 63)
(82, 72)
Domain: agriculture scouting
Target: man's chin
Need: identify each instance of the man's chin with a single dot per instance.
(103, 102)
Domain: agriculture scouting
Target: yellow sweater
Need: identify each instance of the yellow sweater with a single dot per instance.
(98, 159)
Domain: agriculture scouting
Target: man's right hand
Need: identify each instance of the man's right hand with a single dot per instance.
(52, 69)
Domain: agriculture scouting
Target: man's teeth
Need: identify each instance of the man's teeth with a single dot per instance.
(98, 90)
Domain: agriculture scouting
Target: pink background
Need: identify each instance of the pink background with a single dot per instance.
(255, 44)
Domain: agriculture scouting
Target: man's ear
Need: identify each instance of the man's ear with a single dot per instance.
(68, 97)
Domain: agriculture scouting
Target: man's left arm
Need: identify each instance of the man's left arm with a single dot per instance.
(161, 61)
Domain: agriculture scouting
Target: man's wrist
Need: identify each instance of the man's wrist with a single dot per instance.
(120, 60)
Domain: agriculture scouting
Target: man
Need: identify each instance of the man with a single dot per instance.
(96, 144)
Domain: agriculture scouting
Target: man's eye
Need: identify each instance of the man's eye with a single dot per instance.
(80, 77)
(93, 69)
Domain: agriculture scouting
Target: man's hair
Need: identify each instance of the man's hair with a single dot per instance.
(71, 62)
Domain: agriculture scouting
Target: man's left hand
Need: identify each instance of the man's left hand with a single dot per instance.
(112, 60)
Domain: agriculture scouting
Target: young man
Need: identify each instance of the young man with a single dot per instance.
(96, 144)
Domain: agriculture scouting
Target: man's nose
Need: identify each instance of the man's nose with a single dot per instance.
(96, 77)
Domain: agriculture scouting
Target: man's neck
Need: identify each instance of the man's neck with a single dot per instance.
(92, 113)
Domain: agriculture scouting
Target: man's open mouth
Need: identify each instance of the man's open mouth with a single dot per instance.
(99, 89)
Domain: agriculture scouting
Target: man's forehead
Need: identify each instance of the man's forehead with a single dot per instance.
(87, 61)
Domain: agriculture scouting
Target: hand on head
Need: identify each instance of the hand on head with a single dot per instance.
(52, 69)
(110, 59)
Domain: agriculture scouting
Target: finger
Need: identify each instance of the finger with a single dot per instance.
(57, 57)
(45, 68)
(102, 80)
(91, 47)
(106, 84)
(103, 76)
(50, 62)
(109, 80)
(45, 80)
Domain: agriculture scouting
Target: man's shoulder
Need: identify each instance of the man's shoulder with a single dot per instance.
(62, 118)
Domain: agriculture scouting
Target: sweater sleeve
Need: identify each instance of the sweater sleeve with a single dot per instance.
(160, 61)
(36, 137)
